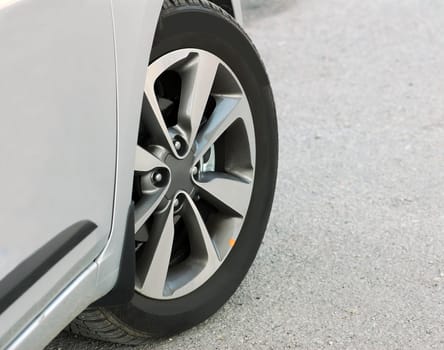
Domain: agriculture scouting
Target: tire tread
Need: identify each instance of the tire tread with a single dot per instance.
(98, 323)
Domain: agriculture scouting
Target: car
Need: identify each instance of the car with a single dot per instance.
(139, 153)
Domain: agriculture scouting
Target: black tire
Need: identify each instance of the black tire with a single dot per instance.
(201, 24)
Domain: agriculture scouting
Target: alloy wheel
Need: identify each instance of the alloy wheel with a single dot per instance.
(194, 172)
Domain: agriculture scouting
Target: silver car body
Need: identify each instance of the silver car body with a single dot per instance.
(71, 84)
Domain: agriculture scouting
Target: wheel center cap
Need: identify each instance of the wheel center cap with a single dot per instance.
(180, 175)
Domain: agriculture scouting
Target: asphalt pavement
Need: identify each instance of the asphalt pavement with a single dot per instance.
(354, 253)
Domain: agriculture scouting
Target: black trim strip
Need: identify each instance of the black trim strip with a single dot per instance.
(15, 283)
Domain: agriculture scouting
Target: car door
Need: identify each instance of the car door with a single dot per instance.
(57, 147)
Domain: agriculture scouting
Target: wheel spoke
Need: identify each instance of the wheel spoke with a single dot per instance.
(146, 162)
(154, 261)
(200, 240)
(205, 259)
(197, 80)
(226, 192)
(151, 117)
(145, 207)
(227, 110)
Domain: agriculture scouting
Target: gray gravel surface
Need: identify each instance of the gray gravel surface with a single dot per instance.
(353, 257)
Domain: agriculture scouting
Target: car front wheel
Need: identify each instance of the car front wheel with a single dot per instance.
(204, 179)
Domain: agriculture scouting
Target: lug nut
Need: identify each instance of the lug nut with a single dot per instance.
(177, 145)
(158, 177)
(176, 203)
(195, 170)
